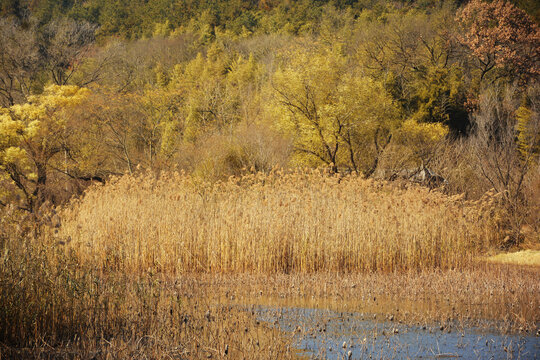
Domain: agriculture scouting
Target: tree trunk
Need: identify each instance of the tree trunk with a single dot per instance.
(38, 196)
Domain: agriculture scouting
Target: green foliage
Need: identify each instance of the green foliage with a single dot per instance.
(414, 54)
(439, 94)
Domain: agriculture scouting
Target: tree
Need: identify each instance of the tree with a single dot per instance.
(30, 57)
(218, 89)
(32, 136)
(20, 62)
(109, 127)
(13, 8)
(438, 96)
(67, 43)
(160, 128)
(415, 145)
(505, 143)
(337, 117)
(414, 56)
(528, 125)
(501, 37)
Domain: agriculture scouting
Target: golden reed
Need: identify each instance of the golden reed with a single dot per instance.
(300, 221)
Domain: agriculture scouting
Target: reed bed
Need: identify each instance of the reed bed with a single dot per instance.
(54, 307)
(164, 266)
(282, 222)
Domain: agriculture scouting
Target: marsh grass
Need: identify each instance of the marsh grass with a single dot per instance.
(54, 307)
(304, 221)
(155, 267)
(496, 297)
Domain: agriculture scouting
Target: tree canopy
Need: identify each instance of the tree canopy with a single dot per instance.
(94, 88)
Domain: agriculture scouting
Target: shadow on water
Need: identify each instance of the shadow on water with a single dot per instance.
(328, 334)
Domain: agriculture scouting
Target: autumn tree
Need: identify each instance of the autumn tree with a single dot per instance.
(31, 56)
(32, 136)
(66, 43)
(20, 62)
(119, 132)
(160, 128)
(218, 88)
(338, 117)
(14, 8)
(415, 145)
(528, 125)
(414, 56)
(109, 128)
(501, 37)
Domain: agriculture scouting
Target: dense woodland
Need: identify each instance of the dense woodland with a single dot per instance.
(165, 163)
(93, 88)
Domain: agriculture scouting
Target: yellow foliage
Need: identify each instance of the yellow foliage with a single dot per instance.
(425, 132)
(528, 133)
(162, 121)
(10, 130)
(12, 155)
(524, 257)
(415, 143)
(32, 133)
(162, 29)
(56, 96)
(218, 90)
(336, 115)
(41, 115)
(243, 72)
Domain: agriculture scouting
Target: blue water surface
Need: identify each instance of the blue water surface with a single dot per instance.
(326, 334)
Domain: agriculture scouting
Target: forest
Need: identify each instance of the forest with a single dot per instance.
(286, 138)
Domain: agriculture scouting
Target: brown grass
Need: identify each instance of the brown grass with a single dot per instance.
(505, 297)
(132, 272)
(293, 222)
(54, 307)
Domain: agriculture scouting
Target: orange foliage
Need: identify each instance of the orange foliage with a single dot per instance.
(503, 36)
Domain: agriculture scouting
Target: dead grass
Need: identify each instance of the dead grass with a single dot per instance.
(154, 267)
(54, 307)
(281, 222)
(524, 257)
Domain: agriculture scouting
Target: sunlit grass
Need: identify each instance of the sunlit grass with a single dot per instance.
(524, 257)
(282, 222)
(150, 266)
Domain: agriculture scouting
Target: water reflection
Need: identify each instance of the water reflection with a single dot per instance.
(348, 335)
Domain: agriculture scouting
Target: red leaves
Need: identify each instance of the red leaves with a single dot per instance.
(503, 36)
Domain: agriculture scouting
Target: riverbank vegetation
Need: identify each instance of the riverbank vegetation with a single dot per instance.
(147, 146)
(169, 266)
(293, 222)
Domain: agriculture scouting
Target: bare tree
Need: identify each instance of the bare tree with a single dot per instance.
(27, 53)
(20, 61)
(500, 158)
(67, 42)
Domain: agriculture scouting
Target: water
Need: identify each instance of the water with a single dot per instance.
(327, 334)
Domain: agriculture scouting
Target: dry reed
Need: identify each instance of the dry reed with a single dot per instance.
(54, 307)
(116, 279)
(302, 221)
